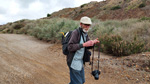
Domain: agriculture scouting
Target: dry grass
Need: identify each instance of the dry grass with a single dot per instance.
(130, 30)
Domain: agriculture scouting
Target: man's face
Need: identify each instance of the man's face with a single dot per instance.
(85, 26)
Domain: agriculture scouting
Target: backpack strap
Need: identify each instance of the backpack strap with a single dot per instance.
(81, 34)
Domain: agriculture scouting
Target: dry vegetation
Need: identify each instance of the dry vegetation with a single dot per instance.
(117, 37)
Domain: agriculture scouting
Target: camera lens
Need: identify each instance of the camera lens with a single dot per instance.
(96, 73)
(96, 76)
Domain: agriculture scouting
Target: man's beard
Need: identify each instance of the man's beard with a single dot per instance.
(85, 30)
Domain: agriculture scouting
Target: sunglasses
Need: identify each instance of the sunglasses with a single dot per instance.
(87, 24)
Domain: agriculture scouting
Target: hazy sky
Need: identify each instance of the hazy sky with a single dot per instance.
(13, 10)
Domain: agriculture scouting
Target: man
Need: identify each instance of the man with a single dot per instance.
(78, 44)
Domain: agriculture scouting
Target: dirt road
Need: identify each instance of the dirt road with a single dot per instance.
(26, 60)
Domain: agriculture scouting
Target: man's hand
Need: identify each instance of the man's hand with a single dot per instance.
(88, 43)
(95, 41)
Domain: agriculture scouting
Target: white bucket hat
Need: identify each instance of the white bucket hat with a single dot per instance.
(86, 20)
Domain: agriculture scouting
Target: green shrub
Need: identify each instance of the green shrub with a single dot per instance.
(115, 45)
(83, 5)
(81, 11)
(18, 26)
(22, 31)
(144, 18)
(142, 5)
(2, 28)
(104, 8)
(116, 7)
(48, 29)
(107, 41)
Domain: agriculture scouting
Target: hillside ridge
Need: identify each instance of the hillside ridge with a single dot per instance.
(108, 9)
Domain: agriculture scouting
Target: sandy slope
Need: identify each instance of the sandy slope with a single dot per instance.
(26, 60)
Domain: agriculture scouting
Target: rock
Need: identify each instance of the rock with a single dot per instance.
(129, 65)
(147, 69)
(143, 54)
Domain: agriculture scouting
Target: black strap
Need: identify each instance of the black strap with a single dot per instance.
(82, 36)
(99, 55)
(80, 33)
(93, 57)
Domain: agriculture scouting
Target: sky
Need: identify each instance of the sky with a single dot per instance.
(13, 10)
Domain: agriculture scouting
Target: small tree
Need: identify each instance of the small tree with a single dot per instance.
(48, 15)
(116, 7)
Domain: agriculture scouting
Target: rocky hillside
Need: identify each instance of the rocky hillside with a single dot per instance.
(107, 9)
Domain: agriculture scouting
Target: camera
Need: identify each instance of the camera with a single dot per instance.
(96, 74)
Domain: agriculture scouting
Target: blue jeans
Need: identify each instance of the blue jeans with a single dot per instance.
(76, 77)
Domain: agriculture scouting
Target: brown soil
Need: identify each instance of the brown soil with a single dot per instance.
(26, 60)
